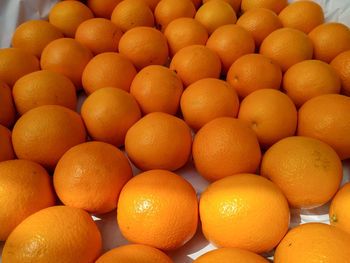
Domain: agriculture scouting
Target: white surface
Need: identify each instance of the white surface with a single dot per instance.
(14, 12)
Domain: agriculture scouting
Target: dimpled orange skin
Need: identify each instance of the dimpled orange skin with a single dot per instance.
(236, 4)
(34, 35)
(341, 63)
(274, 5)
(302, 15)
(225, 146)
(339, 215)
(230, 255)
(157, 88)
(207, 99)
(6, 150)
(287, 46)
(44, 87)
(45, 133)
(158, 208)
(196, 62)
(7, 108)
(271, 114)
(99, 35)
(134, 254)
(159, 141)
(230, 42)
(108, 69)
(245, 211)
(25, 189)
(314, 242)
(329, 40)
(252, 72)
(54, 234)
(308, 79)
(327, 118)
(102, 8)
(15, 63)
(144, 46)
(308, 171)
(260, 22)
(108, 113)
(183, 32)
(67, 57)
(68, 15)
(92, 163)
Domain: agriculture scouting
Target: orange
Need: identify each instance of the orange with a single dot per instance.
(183, 32)
(244, 211)
(15, 63)
(67, 57)
(108, 69)
(271, 114)
(57, 234)
(45, 133)
(134, 254)
(317, 166)
(196, 3)
(260, 22)
(225, 146)
(168, 10)
(327, 118)
(25, 189)
(207, 99)
(236, 4)
(341, 63)
(302, 15)
(313, 242)
(329, 40)
(274, 5)
(91, 175)
(230, 42)
(6, 150)
(252, 72)
(7, 109)
(287, 46)
(158, 208)
(68, 15)
(196, 62)
(338, 212)
(308, 79)
(108, 113)
(144, 46)
(102, 8)
(132, 13)
(99, 35)
(157, 88)
(230, 255)
(44, 87)
(159, 141)
(215, 13)
(32, 36)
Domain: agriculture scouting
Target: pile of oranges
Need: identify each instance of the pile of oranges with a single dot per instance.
(254, 92)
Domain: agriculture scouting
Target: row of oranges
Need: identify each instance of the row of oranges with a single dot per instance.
(118, 59)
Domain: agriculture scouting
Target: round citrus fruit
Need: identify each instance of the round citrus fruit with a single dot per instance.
(102, 8)
(271, 114)
(45, 133)
(159, 141)
(108, 113)
(338, 212)
(44, 87)
(274, 5)
(317, 166)
(327, 118)
(54, 234)
(244, 211)
(313, 242)
(158, 208)
(341, 63)
(225, 146)
(207, 99)
(157, 88)
(25, 189)
(7, 109)
(236, 4)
